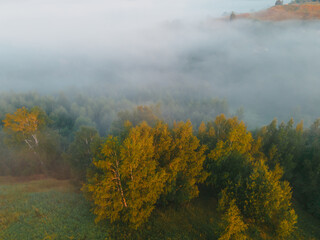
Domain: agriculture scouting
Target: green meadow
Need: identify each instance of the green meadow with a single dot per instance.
(49, 209)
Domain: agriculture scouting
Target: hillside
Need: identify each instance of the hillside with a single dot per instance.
(309, 11)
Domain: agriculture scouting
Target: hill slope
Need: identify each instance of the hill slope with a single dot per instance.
(309, 11)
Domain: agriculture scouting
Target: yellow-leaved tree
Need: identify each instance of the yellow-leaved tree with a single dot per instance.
(24, 126)
(130, 180)
(149, 166)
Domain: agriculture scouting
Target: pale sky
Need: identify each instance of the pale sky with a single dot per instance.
(66, 23)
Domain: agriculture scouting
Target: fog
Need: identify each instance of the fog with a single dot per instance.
(131, 46)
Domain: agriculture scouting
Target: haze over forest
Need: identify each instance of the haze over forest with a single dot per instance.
(145, 119)
(123, 48)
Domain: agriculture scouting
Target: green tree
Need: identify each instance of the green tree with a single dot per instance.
(150, 114)
(307, 172)
(81, 151)
(238, 171)
(282, 145)
(230, 147)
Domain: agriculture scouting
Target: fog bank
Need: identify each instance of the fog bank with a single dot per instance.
(130, 47)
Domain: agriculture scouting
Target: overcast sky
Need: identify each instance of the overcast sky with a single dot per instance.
(66, 23)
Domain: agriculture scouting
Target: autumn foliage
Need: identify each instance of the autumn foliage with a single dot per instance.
(148, 166)
(250, 193)
(26, 124)
(307, 11)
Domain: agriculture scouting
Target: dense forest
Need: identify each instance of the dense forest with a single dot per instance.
(130, 160)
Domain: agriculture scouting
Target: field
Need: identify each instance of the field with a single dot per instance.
(54, 209)
(308, 11)
(45, 208)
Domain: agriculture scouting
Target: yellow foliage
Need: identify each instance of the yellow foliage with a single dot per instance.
(232, 137)
(233, 225)
(150, 163)
(22, 121)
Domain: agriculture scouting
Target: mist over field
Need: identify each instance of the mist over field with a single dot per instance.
(182, 47)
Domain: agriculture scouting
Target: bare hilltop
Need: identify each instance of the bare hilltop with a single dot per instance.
(305, 11)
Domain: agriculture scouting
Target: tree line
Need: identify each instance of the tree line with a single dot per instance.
(145, 163)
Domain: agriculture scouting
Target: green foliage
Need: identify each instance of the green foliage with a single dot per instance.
(48, 208)
(264, 201)
(230, 146)
(45, 209)
(282, 145)
(158, 165)
(81, 151)
(239, 173)
(151, 115)
(307, 172)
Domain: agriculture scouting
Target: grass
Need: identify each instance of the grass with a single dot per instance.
(45, 209)
(308, 226)
(53, 209)
(49, 209)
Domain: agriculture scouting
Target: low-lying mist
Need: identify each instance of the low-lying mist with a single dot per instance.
(185, 48)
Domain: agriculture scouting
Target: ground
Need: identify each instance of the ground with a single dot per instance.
(45, 209)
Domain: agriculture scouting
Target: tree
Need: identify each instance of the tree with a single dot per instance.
(267, 200)
(145, 178)
(307, 171)
(130, 180)
(239, 172)
(26, 125)
(81, 151)
(282, 145)
(150, 114)
(149, 166)
(185, 168)
(230, 146)
(232, 224)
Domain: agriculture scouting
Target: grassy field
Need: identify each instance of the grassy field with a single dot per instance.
(54, 209)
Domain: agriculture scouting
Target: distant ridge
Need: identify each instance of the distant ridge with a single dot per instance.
(307, 11)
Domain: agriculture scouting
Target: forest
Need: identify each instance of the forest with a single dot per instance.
(158, 120)
(131, 163)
